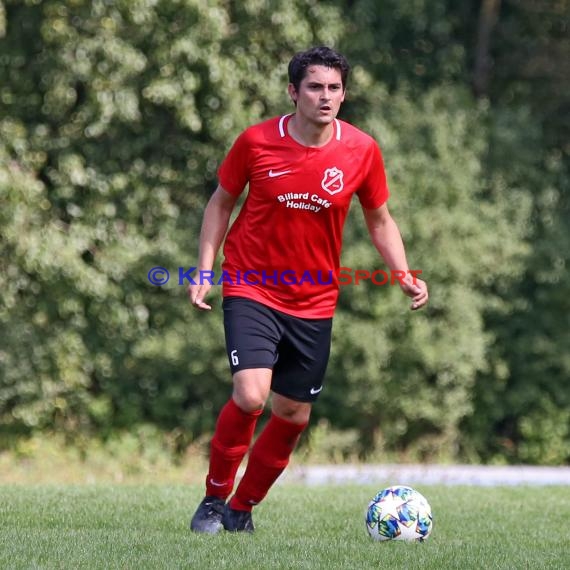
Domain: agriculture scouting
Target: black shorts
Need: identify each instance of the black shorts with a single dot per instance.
(296, 349)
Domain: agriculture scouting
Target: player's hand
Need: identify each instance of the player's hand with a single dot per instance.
(416, 289)
(197, 294)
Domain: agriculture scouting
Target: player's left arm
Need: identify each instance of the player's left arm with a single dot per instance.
(387, 239)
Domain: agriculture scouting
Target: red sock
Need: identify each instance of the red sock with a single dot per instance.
(234, 430)
(268, 458)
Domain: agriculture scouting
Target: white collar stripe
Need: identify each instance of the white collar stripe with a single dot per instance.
(282, 125)
(337, 129)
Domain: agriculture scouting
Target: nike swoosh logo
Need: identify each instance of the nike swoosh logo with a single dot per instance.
(316, 390)
(275, 173)
(216, 484)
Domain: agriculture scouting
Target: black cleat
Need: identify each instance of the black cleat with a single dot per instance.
(237, 521)
(208, 516)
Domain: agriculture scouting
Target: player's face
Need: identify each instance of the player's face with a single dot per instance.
(319, 96)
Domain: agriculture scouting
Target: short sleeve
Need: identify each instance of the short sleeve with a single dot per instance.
(373, 191)
(233, 174)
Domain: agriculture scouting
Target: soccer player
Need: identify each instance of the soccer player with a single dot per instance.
(280, 282)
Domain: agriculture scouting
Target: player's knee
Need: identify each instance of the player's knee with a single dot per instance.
(300, 416)
(295, 412)
(249, 402)
(251, 389)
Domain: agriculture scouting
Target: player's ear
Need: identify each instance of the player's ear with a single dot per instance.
(292, 93)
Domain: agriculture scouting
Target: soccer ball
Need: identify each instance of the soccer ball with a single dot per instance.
(399, 513)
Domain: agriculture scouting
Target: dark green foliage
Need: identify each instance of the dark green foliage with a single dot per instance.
(113, 119)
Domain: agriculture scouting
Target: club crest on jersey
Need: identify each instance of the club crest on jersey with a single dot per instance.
(332, 180)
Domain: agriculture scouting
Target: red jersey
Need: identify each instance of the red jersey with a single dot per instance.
(283, 250)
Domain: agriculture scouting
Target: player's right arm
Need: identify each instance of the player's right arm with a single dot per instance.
(214, 227)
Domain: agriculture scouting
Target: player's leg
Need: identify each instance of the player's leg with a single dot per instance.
(297, 382)
(251, 339)
(234, 429)
(231, 441)
(269, 457)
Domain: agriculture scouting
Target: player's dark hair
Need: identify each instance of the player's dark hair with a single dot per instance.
(321, 55)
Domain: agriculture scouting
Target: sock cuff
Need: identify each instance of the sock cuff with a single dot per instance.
(287, 425)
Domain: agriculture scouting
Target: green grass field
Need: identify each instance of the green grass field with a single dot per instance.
(126, 527)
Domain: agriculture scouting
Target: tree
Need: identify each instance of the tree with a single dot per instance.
(114, 118)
